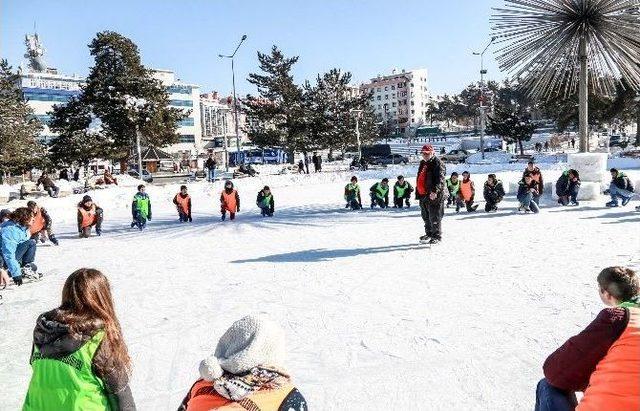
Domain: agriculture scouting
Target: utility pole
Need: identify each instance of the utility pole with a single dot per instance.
(583, 105)
(233, 82)
(482, 107)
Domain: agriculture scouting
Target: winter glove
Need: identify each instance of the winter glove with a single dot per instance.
(17, 280)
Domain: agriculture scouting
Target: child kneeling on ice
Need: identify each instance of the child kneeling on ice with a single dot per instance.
(182, 200)
(527, 190)
(352, 194)
(79, 358)
(229, 201)
(246, 372)
(141, 208)
(603, 360)
(265, 202)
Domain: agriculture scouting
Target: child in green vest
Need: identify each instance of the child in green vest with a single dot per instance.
(141, 208)
(402, 193)
(265, 202)
(453, 187)
(352, 194)
(79, 358)
(379, 193)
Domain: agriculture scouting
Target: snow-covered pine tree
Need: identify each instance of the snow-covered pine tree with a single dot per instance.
(19, 147)
(278, 105)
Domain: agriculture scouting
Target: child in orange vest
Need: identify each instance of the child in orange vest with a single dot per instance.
(182, 200)
(603, 360)
(41, 227)
(89, 215)
(467, 192)
(229, 201)
(246, 372)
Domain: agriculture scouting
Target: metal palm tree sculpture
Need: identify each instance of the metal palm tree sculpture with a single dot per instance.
(556, 46)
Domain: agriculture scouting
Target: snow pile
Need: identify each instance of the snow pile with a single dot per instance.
(636, 186)
(5, 192)
(66, 187)
(590, 166)
(589, 190)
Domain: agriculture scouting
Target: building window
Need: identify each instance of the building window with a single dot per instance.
(187, 138)
(378, 89)
(386, 88)
(185, 122)
(393, 87)
(386, 97)
(178, 89)
(379, 97)
(393, 104)
(181, 103)
(393, 95)
(412, 85)
(41, 94)
(413, 112)
(412, 103)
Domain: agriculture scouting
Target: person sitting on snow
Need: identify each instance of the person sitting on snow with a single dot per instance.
(568, 187)
(467, 192)
(379, 193)
(17, 248)
(246, 372)
(402, 190)
(352, 194)
(89, 215)
(535, 173)
(182, 200)
(229, 201)
(109, 178)
(620, 187)
(41, 227)
(527, 190)
(48, 185)
(140, 208)
(453, 188)
(603, 360)
(265, 202)
(493, 193)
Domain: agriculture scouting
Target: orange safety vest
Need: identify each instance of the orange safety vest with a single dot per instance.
(183, 203)
(38, 223)
(229, 202)
(88, 216)
(204, 398)
(466, 192)
(615, 383)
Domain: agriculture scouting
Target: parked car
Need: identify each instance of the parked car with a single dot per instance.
(455, 156)
(617, 141)
(390, 159)
(146, 176)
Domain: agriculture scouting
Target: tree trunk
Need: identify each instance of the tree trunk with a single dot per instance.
(638, 125)
(521, 148)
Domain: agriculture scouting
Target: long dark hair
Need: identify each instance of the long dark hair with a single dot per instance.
(87, 306)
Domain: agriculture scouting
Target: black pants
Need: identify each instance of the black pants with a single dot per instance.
(432, 212)
(375, 201)
(492, 203)
(398, 201)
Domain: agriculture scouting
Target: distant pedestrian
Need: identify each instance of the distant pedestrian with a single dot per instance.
(546, 145)
(573, 142)
(48, 185)
(210, 165)
(301, 167)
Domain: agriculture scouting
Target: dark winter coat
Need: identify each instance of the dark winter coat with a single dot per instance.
(260, 199)
(55, 340)
(435, 178)
(46, 182)
(493, 193)
(524, 188)
(564, 184)
(210, 163)
(622, 182)
(570, 366)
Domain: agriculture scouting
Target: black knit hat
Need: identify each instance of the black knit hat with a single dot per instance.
(86, 199)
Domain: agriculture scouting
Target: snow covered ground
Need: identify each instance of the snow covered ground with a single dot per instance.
(373, 320)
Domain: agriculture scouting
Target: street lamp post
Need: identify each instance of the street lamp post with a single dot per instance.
(482, 107)
(357, 112)
(233, 82)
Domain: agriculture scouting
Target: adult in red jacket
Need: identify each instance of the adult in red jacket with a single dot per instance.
(430, 194)
(603, 360)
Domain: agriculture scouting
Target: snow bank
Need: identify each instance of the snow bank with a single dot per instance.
(589, 191)
(492, 157)
(590, 166)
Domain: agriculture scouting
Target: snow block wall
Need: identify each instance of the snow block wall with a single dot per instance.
(592, 168)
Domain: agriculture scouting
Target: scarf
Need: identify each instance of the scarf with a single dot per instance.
(236, 387)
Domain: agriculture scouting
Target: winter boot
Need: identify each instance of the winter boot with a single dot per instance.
(625, 201)
(30, 272)
(53, 239)
(612, 204)
(433, 241)
(133, 224)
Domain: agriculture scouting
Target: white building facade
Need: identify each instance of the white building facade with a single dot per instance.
(184, 96)
(400, 99)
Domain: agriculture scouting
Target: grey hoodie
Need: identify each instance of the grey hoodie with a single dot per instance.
(54, 340)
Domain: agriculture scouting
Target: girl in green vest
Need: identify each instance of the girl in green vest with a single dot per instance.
(79, 358)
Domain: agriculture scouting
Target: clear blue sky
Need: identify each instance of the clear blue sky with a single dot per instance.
(364, 37)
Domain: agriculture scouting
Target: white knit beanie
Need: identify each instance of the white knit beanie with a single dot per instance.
(249, 342)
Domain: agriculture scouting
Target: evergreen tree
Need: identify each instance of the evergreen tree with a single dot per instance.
(19, 147)
(279, 104)
(511, 126)
(117, 79)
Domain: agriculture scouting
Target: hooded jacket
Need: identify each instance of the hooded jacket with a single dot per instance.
(54, 340)
(494, 192)
(11, 236)
(622, 181)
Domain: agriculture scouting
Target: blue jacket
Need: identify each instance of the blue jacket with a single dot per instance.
(11, 235)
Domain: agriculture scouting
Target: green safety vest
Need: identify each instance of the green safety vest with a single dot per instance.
(67, 383)
(381, 192)
(266, 201)
(401, 189)
(352, 190)
(453, 188)
(142, 204)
